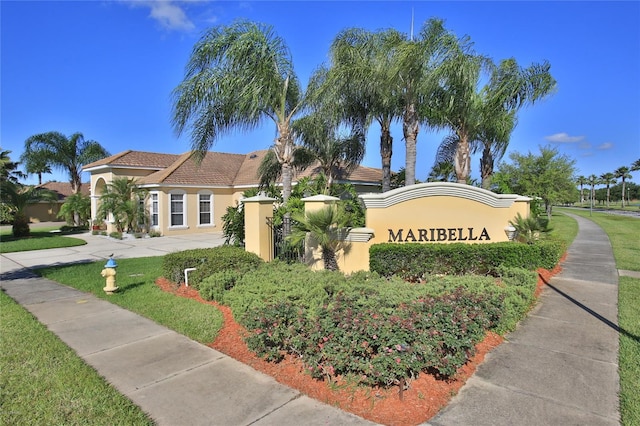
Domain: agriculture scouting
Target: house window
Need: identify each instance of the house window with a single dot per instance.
(205, 209)
(178, 209)
(153, 209)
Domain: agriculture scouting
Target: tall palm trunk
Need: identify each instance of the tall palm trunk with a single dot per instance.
(386, 150)
(462, 158)
(486, 167)
(623, 185)
(410, 128)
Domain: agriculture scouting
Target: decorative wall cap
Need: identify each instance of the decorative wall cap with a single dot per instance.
(258, 199)
(359, 235)
(320, 197)
(433, 189)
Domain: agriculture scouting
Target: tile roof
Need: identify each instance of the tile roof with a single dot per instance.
(215, 168)
(63, 189)
(131, 158)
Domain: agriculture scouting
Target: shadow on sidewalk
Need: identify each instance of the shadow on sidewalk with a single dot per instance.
(590, 311)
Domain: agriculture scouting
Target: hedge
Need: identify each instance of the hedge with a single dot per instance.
(207, 262)
(413, 262)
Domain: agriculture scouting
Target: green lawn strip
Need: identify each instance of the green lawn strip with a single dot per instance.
(40, 239)
(563, 227)
(44, 382)
(623, 233)
(629, 359)
(138, 293)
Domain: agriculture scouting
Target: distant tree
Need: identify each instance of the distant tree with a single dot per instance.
(238, 75)
(36, 163)
(548, 176)
(443, 171)
(65, 153)
(582, 181)
(622, 173)
(608, 179)
(123, 199)
(635, 166)
(593, 181)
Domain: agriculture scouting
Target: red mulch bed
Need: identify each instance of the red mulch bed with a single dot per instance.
(424, 398)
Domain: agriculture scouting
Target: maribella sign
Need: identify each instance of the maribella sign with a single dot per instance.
(441, 212)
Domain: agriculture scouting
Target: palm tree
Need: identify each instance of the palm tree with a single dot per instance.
(622, 173)
(635, 166)
(494, 134)
(9, 169)
(65, 153)
(322, 142)
(123, 199)
(237, 76)
(17, 197)
(76, 206)
(37, 163)
(471, 112)
(324, 226)
(415, 76)
(593, 181)
(581, 180)
(608, 179)
(360, 83)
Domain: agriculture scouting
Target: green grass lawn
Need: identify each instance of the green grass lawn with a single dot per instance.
(40, 239)
(624, 234)
(138, 293)
(44, 382)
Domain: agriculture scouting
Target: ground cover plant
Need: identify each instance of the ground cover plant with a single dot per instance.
(138, 293)
(45, 382)
(39, 239)
(373, 330)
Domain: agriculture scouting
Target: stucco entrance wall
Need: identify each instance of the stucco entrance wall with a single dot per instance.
(441, 212)
(438, 212)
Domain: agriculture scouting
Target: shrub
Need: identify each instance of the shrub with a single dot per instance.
(207, 262)
(214, 286)
(116, 235)
(413, 262)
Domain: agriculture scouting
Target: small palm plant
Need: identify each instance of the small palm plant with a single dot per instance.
(528, 229)
(324, 226)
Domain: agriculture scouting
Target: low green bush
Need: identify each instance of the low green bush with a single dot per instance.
(116, 235)
(376, 330)
(214, 286)
(207, 262)
(413, 262)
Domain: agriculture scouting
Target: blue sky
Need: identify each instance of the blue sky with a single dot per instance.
(107, 68)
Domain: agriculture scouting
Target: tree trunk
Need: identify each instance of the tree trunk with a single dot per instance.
(461, 160)
(623, 184)
(329, 259)
(486, 167)
(410, 128)
(386, 145)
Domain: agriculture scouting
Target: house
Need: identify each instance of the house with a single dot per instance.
(47, 211)
(186, 197)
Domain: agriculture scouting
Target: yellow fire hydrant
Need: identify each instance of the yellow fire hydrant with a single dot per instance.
(109, 272)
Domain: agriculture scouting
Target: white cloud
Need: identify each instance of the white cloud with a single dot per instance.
(606, 145)
(563, 138)
(168, 13)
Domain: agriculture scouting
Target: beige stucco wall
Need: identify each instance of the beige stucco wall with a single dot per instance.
(43, 212)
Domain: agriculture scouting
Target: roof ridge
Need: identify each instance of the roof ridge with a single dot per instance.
(174, 166)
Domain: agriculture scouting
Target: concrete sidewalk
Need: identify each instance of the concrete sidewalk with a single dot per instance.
(560, 367)
(175, 380)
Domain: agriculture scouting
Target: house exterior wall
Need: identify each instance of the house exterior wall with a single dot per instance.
(43, 212)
